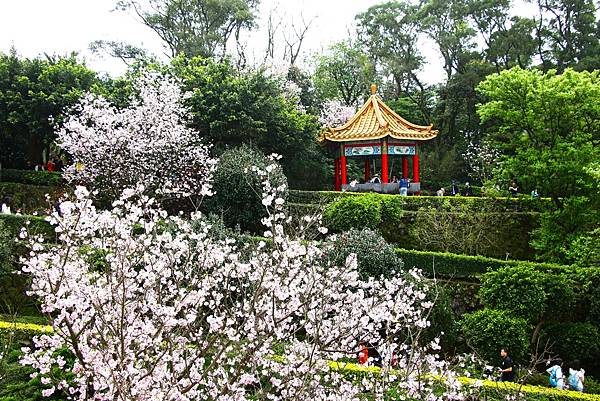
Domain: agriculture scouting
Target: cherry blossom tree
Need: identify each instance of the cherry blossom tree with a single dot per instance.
(334, 113)
(146, 143)
(152, 308)
(481, 157)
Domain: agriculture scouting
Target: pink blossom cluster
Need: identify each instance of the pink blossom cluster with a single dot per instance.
(173, 314)
(334, 113)
(146, 143)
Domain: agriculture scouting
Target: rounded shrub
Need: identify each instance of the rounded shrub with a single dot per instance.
(238, 189)
(353, 211)
(375, 257)
(527, 292)
(572, 341)
(489, 330)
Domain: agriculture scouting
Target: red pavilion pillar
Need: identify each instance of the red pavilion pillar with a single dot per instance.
(343, 165)
(416, 167)
(338, 186)
(367, 170)
(384, 162)
(404, 167)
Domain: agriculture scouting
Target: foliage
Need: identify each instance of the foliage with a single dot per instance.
(194, 28)
(544, 122)
(353, 212)
(46, 178)
(238, 188)
(504, 232)
(571, 341)
(30, 199)
(7, 250)
(374, 256)
(528, 292)
(36, 225)
(456, 228)
(488, 330)
(460, 266)
(344, 73)
(146, 144)
(230, 108)
(414, 203)
(33, 96)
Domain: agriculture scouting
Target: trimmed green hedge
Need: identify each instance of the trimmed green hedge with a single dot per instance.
(45, 178)
(508, 204)
(27, 198)
(460, 266)
(37, 225)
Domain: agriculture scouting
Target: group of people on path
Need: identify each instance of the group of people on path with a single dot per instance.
(368, 355)
(557, 380)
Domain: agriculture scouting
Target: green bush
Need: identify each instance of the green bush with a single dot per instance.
(375, 257)
(7, 250)
(462, 266)
(572, 341)
(489, 330)
(238, 190)
(527, 292)
(45, 178)
(354, 212)
(414, 203)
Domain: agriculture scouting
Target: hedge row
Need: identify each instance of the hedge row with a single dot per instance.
(28, 198)
(508, 204)
(35, 225)
(460, 266)
(487, 389)
(45, 178)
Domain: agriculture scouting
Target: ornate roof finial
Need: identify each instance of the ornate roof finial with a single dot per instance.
(373, 89)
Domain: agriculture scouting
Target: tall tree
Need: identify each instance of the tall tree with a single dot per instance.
(568, 34)
(547, 127)
(445, 22)
(390, 33)
(194, 27)
(34, 93)
(344, 72)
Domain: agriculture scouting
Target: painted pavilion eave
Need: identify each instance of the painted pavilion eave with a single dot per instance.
(376, 120)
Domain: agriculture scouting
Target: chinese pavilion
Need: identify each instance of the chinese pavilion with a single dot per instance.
(376, 132)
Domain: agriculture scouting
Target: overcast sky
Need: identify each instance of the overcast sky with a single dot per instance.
(35, 27)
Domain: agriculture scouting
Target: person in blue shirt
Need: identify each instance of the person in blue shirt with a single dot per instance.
(404, 184)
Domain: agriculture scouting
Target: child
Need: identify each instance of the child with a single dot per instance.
(576, 376)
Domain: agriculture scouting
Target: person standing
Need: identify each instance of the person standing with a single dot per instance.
(556, 379)
(5, 207)
(363, 354)
(507, 372)
(404, 184)
(455, 190)
(576, 376)
(513, 189)
(468, 189)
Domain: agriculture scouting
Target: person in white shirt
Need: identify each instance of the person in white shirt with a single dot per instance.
(5, 208)
(557, 379)
(576, 376)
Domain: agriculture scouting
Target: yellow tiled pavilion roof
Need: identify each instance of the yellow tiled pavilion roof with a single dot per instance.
(376, 120)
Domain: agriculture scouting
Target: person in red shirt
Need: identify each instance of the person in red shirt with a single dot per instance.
(363, 354)
(50, 165)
